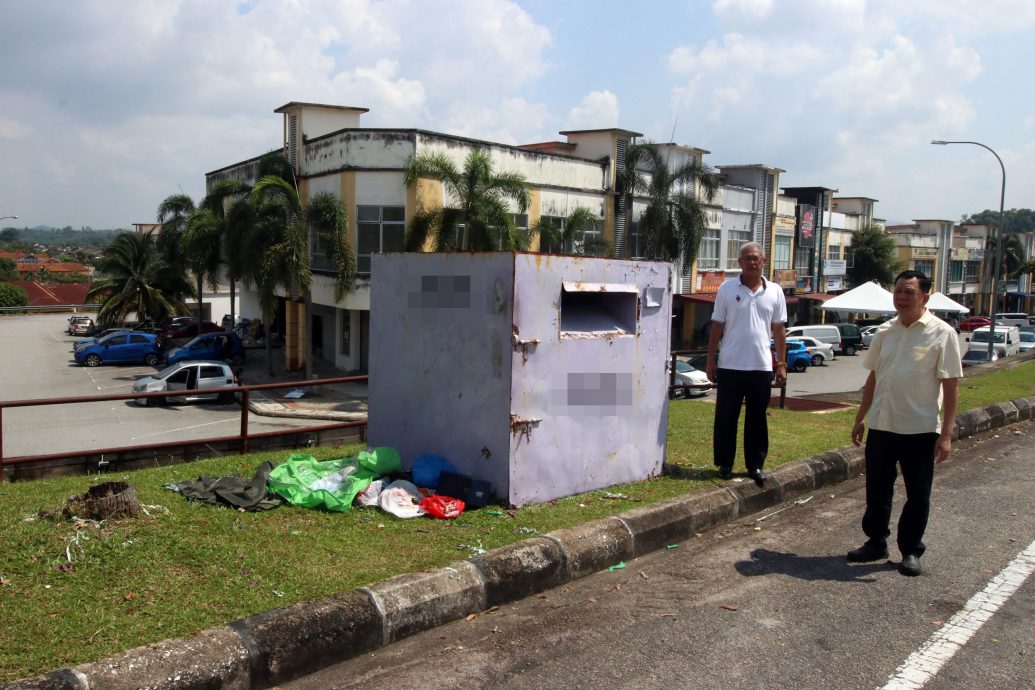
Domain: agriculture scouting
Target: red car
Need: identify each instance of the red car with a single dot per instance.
(190, 329)
(974, 322)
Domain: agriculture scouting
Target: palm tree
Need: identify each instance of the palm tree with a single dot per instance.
(481, 220)
(569, 237)
(135, 278)
(674, 221)
(279, 246)
(214, 232)
(175, 213)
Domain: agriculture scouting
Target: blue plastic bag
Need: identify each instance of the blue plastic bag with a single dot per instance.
(428, 467)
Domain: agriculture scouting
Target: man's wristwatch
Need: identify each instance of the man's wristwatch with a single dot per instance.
(781, 364)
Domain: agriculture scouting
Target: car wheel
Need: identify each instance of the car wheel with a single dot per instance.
(92, 360)
(849, 350)
(226, 398)
(799, 366)
(151, 360)
(817, 360)
(155, 402)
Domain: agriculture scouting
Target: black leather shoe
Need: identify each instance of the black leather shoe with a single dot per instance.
(758, 475)
(868, 552)
(910, 566)
(725, 472)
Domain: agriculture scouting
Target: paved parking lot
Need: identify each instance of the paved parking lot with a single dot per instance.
(36, 362)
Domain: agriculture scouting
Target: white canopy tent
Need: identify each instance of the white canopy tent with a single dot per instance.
(940, 302)
(868, 297)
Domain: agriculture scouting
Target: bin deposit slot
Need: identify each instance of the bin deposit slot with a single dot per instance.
(597, 309)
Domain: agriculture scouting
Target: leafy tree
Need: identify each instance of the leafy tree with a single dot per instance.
(279, 245)
(1014, 255)
(873, 252)
(133, 277)
(8, 269)
(674, 221)
(13, 296)
(481, 220)
(1014, 219)
(175, 214)
(8, 236)
(569, 236)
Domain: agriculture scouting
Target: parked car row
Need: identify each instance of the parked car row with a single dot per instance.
(128, 346)
(1008, 340)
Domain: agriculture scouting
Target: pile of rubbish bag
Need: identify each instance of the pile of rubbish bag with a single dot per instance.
(372, 479)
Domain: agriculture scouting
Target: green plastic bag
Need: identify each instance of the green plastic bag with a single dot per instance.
(382, 460)
(307, 482)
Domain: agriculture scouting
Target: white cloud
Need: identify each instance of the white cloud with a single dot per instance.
(512, 121)
(596, 110)
(13, 129)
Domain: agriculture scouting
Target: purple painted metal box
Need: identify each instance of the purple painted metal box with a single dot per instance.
(541, 374)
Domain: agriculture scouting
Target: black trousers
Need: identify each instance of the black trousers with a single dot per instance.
(750, 388)
(914, 453)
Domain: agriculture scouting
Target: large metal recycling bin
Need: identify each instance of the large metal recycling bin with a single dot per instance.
(541, 374)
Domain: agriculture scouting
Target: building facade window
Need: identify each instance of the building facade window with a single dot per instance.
(635, 244)
(833, 251)
(734, 241)
(849, 257)
(708, 256)
(545, 244)
(380, 229)
(924, 266)
(972, 272)
(782, 253)
(956, 271)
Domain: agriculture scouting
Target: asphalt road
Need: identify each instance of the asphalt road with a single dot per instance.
(769, 604)
(36, 362)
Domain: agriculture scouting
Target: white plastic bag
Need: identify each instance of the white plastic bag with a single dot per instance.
(400, 498)
(369, 496)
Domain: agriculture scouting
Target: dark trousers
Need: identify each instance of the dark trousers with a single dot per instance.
(750, 388)
(914, 453)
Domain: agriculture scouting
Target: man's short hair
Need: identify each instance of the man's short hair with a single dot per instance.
(922, 280)
(752, 245)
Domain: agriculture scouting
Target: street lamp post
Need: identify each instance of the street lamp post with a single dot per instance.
(998, 241)
(6, 217)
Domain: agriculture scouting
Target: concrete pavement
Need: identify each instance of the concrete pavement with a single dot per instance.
(279, 645)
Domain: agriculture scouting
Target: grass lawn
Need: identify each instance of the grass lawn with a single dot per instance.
(71, 595)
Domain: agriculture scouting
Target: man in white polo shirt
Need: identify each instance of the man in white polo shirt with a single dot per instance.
(914, 370)
(747, 309)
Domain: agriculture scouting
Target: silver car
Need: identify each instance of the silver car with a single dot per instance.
(199, 375)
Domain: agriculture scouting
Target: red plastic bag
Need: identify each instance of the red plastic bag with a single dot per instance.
(442, 506)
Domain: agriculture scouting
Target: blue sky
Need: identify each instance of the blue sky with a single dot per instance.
(110, 106)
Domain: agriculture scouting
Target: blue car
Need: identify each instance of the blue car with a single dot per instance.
(121, 348)
(798, 357)
(224, 345)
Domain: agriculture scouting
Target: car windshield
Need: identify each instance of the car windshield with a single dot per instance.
(976, 355)
(982, 336)
(683, 368)
(168, 371)
(1027, 337)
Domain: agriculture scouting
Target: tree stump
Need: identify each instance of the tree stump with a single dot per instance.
(104, 501)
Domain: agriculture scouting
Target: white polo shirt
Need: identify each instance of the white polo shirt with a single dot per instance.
(747, 319)
(910, 362)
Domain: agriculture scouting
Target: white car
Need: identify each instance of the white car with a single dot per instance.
(1027, 340)
(819, 353)
(189, 375)
(688, 375)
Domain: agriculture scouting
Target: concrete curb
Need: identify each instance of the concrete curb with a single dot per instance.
(276, 646)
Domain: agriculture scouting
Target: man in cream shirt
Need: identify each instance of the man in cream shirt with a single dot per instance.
(914, 372)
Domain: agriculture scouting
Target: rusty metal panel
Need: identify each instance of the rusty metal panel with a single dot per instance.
(600, 394)
(542, 374)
